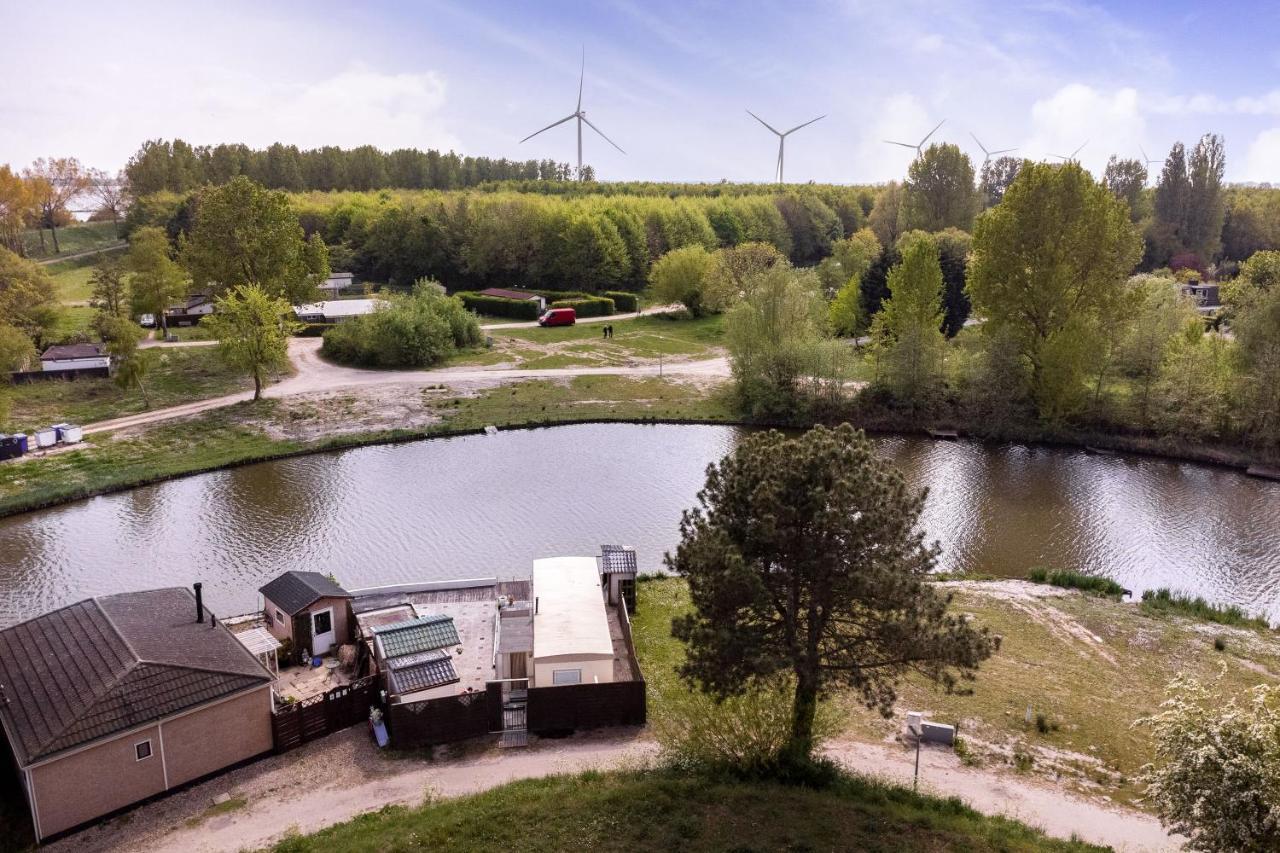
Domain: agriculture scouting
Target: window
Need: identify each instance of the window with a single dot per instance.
(142, 749)
(323, 623)
(279, 617)
(566, 676)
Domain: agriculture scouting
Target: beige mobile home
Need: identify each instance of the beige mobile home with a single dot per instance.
(571, 639)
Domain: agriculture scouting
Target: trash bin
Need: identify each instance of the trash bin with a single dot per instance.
(46, 437)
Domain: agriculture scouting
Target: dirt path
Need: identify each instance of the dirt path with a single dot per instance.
(314, 375)
(86, 253)
(342, 776)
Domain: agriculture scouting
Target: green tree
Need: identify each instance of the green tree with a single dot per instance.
(804, 557)
(1255, 322)
(1262, 270)
(939, 192)
(734, 270)
(253, 329)
(158, 282)
(886, 217)
(1126, 179)
(28, 298)
(855, 256)
(55, 182)
(16, 350)
(1216, 777)
(247, 235)
(996, 177)
(132, 364)
(416, 330)
(1163, 314)
(110, 293)
(1048, 264)
(681, 276)
(907, 333)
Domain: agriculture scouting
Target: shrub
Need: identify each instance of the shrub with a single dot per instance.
(590, 306)
(410, 331)
(1158, 602)
(494, 306)
(1220, 643)
(1077, 580)
(623, 301)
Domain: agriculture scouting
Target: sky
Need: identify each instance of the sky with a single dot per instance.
(670, 82)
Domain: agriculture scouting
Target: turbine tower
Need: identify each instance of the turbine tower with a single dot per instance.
(989, 154)
(581, 115)
(1071, 158)
(782, 137)
(919, 147)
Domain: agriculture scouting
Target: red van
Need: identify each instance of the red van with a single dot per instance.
(558, 317)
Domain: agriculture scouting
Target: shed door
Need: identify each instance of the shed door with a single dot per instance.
(322, 631)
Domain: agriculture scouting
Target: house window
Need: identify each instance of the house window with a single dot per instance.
(279, 617)
(323, 622)
(566, 676)
(142, 749)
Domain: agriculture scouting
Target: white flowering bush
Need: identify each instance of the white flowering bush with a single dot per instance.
(1216, 777)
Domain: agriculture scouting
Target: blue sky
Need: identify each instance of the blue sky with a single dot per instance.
(669, 82)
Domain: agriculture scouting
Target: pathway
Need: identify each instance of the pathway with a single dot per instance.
(86, 253)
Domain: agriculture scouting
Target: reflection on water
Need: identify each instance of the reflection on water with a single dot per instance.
(477, 506)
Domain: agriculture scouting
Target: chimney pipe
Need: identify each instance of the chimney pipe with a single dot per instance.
(199, 602)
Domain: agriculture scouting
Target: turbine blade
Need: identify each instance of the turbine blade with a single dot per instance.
(980, 145)
(1145, 158)
(582, 73)
(1078, 150)
(601, 132)
(806, 124)
(548, 127)
(1001, 151)
(931, 133)
(903, 144)
(762, 121)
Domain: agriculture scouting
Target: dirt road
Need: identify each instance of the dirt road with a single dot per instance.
(342, 776)
(316, 375)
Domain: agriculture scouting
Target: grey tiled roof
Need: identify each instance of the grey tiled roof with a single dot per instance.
(108, 664)
(424, 675)
(61, 351)
(292, 592)
(615, 558)
(416, 635)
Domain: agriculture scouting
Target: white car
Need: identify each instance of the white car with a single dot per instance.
(147, 321)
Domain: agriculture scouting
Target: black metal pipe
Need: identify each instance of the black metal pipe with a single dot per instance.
(199, 602)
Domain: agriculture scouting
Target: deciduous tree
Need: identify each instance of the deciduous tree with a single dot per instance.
(939, 191)
(996, 177)
(158, 282)
(907, 333)
(804, 557)
(55, 182)
(16, 205)
(886, 216)
(110, 291)
(1126, 179)
(253, 329)
(681, 276)
(734, 269)
(28, 298)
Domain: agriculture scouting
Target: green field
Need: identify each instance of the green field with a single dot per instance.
(80, 237)
(72, 277)
(660, 810)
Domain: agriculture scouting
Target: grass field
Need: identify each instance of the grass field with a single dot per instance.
(660, 811)
(72, 277)
(80, 237)
(179, 376)
(74, 320)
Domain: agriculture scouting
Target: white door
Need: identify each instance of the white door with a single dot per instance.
(321, 631)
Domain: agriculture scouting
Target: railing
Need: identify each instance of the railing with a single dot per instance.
(317, 716)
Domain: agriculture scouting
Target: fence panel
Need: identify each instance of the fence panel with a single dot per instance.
(586, 706)
(316, 716)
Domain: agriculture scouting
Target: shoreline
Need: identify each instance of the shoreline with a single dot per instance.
(1208, 455)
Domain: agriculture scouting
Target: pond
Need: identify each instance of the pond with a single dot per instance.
(480, 506)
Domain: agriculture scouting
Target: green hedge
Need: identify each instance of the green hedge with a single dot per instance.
(496, 306)
(591, 306)
(623, 300)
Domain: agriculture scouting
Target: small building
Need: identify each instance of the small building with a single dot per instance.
(117, 699)
(191, 311)
(75, 357)
(518, 295)
(333, 311)
(572, 643)
(308, 610)
(416, 658)
(337, 283)
(618, 572)
(1205, 294)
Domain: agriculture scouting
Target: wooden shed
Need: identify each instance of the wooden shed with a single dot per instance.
(308, 610)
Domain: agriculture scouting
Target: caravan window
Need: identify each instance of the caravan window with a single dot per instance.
(566, 676)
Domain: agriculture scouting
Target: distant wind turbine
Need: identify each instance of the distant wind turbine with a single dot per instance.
(919, 147)
(989, 154)
(782, 137)
(1071, 158)
(581, 115)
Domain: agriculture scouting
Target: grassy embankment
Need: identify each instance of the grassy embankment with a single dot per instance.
(1088, 667)
(81, 237)
(659, 811)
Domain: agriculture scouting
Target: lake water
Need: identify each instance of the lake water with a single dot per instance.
(479, 506)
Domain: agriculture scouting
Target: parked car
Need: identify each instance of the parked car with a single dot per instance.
(147, 321)
(558, 317)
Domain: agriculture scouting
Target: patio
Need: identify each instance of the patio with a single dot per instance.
(303, 682)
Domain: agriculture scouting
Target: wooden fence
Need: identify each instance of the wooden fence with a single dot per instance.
(314, 717)
(569, 707)
(444, 720)
(24, 377)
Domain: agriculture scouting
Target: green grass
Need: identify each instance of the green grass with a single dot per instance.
(654, 333)
(661, 810)
(180, 375)
(197, 332)
(1161, 602)
(74, 320)
(80, 237)
(72, 277)
(1077, 580)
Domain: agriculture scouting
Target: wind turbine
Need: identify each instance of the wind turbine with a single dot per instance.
(581, 115)
(919, 148)
(1071, 158)
(782, 137)
(1146, 161)
(989, 154)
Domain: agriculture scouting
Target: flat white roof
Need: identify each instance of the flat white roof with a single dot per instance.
(258, 640)
(338, 307)
(569, 620)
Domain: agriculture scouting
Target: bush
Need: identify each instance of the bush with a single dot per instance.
(495, 306)
(590, 306)
(410, 331)
(624, 301)
(1077, 580)
(1158, 602)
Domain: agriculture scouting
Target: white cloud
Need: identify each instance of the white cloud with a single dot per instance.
(1110, 123)
(1262, 162)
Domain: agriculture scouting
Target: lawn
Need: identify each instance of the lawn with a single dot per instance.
(74, 320)
(660, 810)
(72, 277)
(179, 376)
(80, 237)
